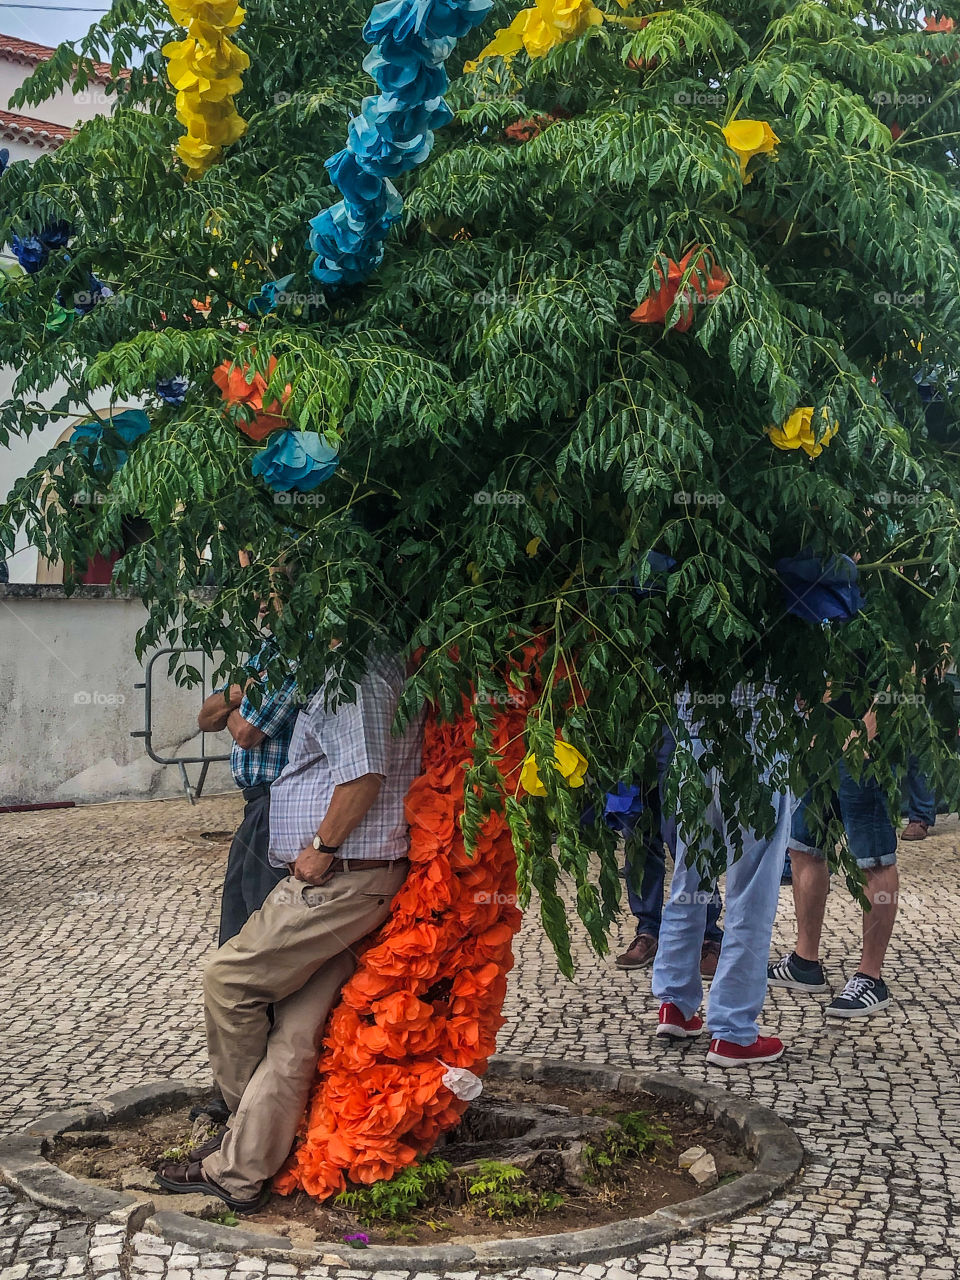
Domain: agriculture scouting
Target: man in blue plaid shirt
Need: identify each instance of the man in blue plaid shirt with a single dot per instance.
(261, 740)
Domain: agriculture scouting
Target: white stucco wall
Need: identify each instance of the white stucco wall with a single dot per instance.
(64, 108)
(68, 704)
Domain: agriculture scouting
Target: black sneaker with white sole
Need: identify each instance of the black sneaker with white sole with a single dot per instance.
(797, 975)
(861, 996)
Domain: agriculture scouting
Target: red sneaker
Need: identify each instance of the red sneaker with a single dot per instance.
(724, 1053)
(674, 1026)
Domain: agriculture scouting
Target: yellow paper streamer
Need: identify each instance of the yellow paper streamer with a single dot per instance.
(205, 71)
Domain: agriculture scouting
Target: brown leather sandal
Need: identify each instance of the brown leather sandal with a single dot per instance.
(187, 1178)
(211, 1145)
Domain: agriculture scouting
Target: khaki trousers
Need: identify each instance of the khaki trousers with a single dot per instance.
(292, 955)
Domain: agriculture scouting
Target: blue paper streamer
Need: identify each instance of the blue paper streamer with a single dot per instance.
(411, 40)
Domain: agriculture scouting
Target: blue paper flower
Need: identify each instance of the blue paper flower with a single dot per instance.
(660, 566)
(56, 234)
(381, 155)
(266, 299)
(817, 590)
(408, 76)
(622, 808)
(172, 391)
(295, 460)
(426, 19)
(4, 159)
(397, 122)
(96, 291)
(29, 252)
(129, 426)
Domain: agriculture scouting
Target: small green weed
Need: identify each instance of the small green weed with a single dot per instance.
(635, 1137)
(500, 1190)
(396, 1200)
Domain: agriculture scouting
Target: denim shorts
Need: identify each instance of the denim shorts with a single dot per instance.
(865, 814)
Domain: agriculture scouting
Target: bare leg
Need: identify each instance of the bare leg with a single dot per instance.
(811, 884)
(883, 888)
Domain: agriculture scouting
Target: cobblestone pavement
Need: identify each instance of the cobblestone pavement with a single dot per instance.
(106, 911)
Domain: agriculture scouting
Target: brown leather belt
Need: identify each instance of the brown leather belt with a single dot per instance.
(362, 864)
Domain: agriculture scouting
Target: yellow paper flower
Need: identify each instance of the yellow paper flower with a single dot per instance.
(797, 433)
(570, 763)
(205, 69)
(749, 138)
(538, 30)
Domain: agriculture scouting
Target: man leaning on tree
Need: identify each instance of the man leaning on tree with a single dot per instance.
(337, 826)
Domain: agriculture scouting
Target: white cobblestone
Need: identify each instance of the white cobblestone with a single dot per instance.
(877, 1105)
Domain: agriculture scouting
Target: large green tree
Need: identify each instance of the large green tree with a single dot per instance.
(512, 444)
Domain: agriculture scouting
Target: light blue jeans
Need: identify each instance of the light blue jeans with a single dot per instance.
(752, 893)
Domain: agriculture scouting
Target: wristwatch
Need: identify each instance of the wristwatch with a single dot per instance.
(324, 848)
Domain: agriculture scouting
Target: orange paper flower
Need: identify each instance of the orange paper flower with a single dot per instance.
(705, 282)
(238, 389)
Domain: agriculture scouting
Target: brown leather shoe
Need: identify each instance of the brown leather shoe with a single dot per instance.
(915, 830)
(639, 954)
(709, 956)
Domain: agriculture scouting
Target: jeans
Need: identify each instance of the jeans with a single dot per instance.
(866, 820)
(646, 899)
(753, 892)
(921, 801)
(250, 879)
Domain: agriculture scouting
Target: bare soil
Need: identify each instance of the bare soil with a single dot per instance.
(123, 1157)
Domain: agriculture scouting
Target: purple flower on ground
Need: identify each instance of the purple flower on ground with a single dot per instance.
(357, 1241)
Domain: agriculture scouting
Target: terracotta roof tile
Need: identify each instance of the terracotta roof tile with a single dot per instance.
(13, 49)
(26, 129)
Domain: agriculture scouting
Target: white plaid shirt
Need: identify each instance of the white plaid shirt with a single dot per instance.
(333, 747)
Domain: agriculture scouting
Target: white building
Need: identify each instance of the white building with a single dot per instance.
(68, 696)
(26, 136)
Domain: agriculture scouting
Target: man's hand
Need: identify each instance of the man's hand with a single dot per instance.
(311, 865)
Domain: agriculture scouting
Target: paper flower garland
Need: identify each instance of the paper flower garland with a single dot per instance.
(570, 763)
(705, 282)
(429, 987)
(749, 138)
(205, 70)
(299, 460)
(797, 433)
(817, 590)
(394, 132)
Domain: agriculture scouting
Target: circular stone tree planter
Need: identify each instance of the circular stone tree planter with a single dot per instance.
(776, 1151)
